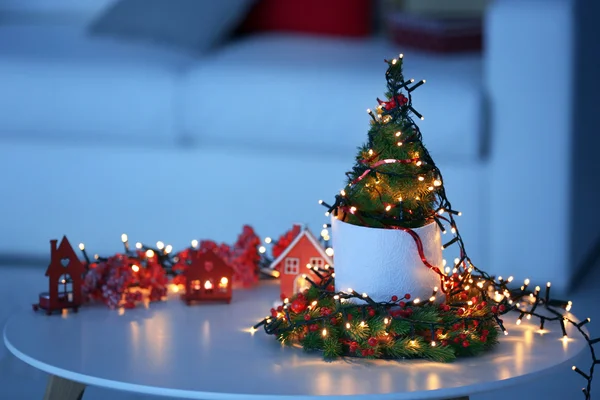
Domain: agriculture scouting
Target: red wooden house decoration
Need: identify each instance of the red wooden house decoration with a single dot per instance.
(208, 278)
(305, 250)
(65, 275)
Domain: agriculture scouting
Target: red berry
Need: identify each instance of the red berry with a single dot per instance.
(371, 313)
(461, 311)
(502, 308)
(402, 304)
(456, 339)
(394, 298)
(280, 308)
(306, 317)
(446, 307)
(313, 327)
(479, 306)
(483, 303)
(476, 323)
(463, 296)
(474, 300)
(463, 336)
(371, 352)
(456, 327)
(465, 344)
(483, 338)
(349, 317)
(444, 343)
(273, 312)
(333, 321)
(372, 342)
(494, 309)
(407, 296)
(365, 352)
(485, 332)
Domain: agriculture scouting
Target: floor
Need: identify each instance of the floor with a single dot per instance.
(19, 287)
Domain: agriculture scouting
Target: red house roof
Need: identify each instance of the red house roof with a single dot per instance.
(305, 233)
(64, 250)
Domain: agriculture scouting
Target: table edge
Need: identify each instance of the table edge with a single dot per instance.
(436, 394)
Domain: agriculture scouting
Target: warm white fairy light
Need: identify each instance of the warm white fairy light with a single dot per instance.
(194, 243)
(324, 233)
(262, 249)
(138, 245)
(388, 208)
(149, 253)
(569, 306)
(160, 245)
(336, 297)
(324, 333)
(286, 300)
(268, 240)
(417, 300)
(81, 246)
(347, 325)
(135, 268)
(386, 321)
(398, 134)
(441, 211)
(168, 249)
(352, 209)
(364, 295)
(437, 183)
(314, 303)
(399, 144)
(343, 192)
(421, 179)
(362, 324)
(329, 251)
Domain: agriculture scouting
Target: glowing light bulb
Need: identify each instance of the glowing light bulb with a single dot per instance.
(417, 300)
(336, 297)
(399, 144)
(432, 298)
(350, 290)
(149, 253)
(347, 325)
(168, 249)
(324, 232)
(433, 344)
(324, 333)
(138, 245)
(160, 245)
(81, 246)
(224, 281)
(527, 281)
(268, 240)
(401, 56)
(388, 208)
(364, 295)
(437, 182)
(510, 278)
(386, 321)
(352, 209)
(135, 268)
(314, 303)
(441, 211)
(286, 300)
(419, 163)
(262, 249)
(343, 192)
(194, 243)
(329, 251)
(394, 61)
(362, 324)
(421, 179)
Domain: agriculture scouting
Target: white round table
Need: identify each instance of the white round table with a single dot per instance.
(206, 351)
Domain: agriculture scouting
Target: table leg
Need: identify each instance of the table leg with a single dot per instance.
(63, 389)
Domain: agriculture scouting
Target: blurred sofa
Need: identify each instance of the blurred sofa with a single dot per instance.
(100, 136)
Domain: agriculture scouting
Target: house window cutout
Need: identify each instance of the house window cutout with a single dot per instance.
(223, 283)
(65, 288)
(317, 262)
(195, 285)
(292, 266)
(300, 283)
(208, 266)
(209, 286)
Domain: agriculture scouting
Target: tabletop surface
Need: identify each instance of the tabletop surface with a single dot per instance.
(206, 351)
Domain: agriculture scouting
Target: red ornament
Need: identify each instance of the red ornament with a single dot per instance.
(465, 344)
(365, 352)
(399, 99)
(372, 342)
(407, 296)
(502, 308)
(461, 311)
(494, 309)
(313, 327)
(371, 313)
(306, 317)
(64, 274)
(298, 306)
(402, 304)
(394, 298)
(273, 312)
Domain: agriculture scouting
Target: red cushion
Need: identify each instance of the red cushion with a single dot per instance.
(331, 17)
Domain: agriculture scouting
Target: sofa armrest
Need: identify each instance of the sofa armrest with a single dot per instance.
(529, 83)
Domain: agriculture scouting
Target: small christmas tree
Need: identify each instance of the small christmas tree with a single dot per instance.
(394, 182)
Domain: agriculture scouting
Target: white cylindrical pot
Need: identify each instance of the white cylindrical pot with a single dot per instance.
(385, 262)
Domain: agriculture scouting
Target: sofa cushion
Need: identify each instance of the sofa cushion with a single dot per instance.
(334, 17)
(193, 25)
(310, 95)
(59, 83)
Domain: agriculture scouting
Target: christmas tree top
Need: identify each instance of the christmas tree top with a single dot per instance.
(394, 182)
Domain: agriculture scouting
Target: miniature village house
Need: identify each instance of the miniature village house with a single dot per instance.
(65, 275)
(208, 278)
(305, 250)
